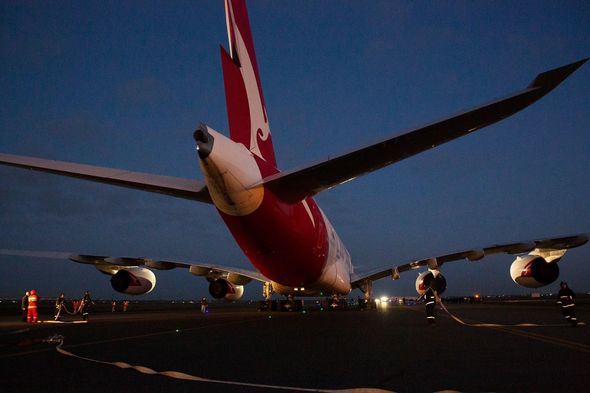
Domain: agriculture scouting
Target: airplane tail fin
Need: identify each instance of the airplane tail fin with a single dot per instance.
(248, 122)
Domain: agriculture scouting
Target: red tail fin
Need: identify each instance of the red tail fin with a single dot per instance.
(246, 110)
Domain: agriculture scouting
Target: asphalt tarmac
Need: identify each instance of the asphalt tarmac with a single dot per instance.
(239, 349)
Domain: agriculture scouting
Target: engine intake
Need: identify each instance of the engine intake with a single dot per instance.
(532, 271)
(223, 289)
(431, 279)
(134, 281)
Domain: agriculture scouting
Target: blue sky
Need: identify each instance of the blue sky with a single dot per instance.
(124, 84)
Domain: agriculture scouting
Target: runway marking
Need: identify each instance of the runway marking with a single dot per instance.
(66, 322)
(577, 346)
(524, 333)
(483, 324)
(163, 332)
(15, 332)
(129, 338)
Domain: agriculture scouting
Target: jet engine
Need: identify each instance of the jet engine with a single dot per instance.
(223, 289)
(133, 280)
(533, 271)
(433, 279)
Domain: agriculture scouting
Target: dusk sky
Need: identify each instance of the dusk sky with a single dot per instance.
(124, 85)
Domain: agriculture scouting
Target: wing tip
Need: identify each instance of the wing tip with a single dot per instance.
(548, 80)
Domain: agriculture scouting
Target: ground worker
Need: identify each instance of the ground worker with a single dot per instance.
(334, 303)
(76, 306)
(59, 304)
(113, 305)
(430, 299)
(125, 305)
(25, 305)
(204, 305)
(565, 298)
(32, 307)
(85, 304)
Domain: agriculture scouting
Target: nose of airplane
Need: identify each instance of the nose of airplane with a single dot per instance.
(204, 141)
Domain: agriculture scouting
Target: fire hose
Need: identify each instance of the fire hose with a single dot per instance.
(480, 324)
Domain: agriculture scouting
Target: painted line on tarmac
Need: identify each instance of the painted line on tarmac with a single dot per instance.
(581, 347)
(213, 325)
(66, 322)
(15, 332)
(577, 346)
(484, 324)
(126, 338)
(474, 323)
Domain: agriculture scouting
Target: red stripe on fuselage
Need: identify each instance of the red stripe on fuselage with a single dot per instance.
(288, 243)
(282, 241)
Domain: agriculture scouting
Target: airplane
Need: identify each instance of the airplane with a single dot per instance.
(272, 214)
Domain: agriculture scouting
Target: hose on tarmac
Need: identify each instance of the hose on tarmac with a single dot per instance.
(480, 324)
(76, 311)
(59, 340)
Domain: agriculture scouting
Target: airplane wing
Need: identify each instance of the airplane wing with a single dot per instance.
(534, 247)
(295, 185)
(110, 265)
(174, 186)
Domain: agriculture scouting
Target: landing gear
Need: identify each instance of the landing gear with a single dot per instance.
(368, 302)
(267, 290)
(287, 305)
(266, 304)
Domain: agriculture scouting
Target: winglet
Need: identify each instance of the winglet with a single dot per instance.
(548, 80)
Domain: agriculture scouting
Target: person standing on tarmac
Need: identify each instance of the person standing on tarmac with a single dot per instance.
(85, 304)
(24, 303)
(430, 299)
(59, 304)
(32, 307)
(565, 298)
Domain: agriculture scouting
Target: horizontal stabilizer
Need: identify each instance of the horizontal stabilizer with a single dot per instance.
(174, 186)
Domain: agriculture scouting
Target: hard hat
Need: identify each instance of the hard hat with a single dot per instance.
(33, 292)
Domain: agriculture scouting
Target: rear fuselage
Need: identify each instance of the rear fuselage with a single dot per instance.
(293, 244)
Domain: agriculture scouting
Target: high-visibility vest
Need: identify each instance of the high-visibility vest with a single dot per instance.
(33, 301)
(429, 297)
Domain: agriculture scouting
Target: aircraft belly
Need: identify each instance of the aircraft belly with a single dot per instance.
(338, 268)
(286, 242)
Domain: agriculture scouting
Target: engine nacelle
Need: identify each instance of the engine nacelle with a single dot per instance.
(223, 289)
(532, 271)
(133, 280)
(431, 279)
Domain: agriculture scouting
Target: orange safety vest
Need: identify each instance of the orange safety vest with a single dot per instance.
(33, 301)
